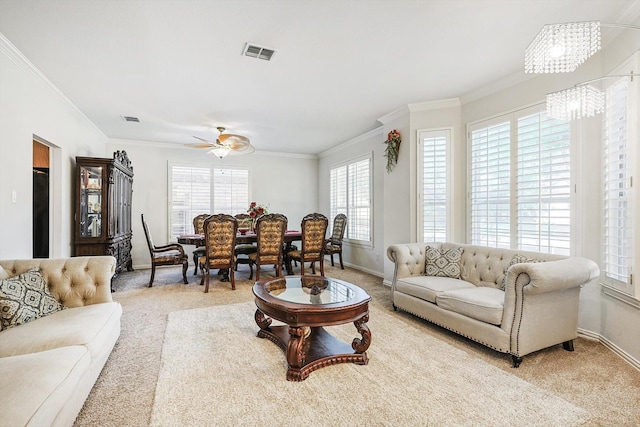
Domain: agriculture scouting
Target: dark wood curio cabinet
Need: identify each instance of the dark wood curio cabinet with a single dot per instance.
(103, 208)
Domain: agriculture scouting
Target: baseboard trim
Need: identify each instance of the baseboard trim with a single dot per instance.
(611, 346)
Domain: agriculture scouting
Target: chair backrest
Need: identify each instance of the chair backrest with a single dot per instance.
(244, 220)
(314, 228)
(220, 239)
(270, 231)
(198, 223)
(339, 226)
(147, 235)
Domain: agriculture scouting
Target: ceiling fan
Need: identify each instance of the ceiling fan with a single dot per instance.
(225, 144)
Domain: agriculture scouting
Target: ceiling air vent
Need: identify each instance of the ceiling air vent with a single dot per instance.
(260, 52)
(131, 119)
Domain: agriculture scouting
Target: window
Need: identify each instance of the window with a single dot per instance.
(521, 183)
(350, 194)
(618, 206)
(204, 189)
(433, 179)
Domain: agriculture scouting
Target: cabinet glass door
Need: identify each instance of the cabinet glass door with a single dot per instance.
(91, 201)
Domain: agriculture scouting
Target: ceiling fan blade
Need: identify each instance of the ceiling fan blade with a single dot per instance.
(205, 140)
(201, 145)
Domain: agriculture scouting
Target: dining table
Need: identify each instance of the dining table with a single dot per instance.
(244, 237)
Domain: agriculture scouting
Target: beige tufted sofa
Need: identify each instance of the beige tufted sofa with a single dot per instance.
(537, 309)
(49, 365)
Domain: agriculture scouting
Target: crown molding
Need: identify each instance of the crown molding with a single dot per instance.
(15, 56)
(358, 139)
(394, 115)
(434, 105)
(178, 146)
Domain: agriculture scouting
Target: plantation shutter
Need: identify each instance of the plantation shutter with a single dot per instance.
(338, 193)
(543, 185)
(359, 197)
(433, 181)
(618, 215)
(230, 191)
(190, 196)
(490, 186)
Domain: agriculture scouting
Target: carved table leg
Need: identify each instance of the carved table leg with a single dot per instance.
(361, 345)
(262, 320)
(295, 353)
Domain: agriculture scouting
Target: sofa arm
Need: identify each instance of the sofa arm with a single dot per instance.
(408, 259)
(551, 276)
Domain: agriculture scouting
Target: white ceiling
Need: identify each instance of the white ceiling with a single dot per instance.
(339, 65)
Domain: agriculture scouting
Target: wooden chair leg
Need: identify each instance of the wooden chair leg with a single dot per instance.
(250, 270)
(232, 276)
(340, 256)
(185, 267)
(322, 265)
(153, 274)
(206, 274)
(301, 267)
(195, 264)
(332, 265)
(257, 271)
(313, 268)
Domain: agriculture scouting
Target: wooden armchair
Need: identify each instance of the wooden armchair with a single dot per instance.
(333, 245)
(220, 242)
(314, 228)
(270, 231)
(171, 254)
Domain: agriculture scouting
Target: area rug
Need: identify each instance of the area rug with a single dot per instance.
(215, 371)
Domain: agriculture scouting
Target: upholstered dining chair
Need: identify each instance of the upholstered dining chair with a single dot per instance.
(333, 245)
(198, 228)
(270, 231)
(220, 242)
(171, 254)
(244, 249)
(314, 228)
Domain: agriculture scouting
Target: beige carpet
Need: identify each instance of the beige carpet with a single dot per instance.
(591, 377)
(215, 371)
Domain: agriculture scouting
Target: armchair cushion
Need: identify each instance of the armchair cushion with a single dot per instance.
(443, 262)
(25, 298)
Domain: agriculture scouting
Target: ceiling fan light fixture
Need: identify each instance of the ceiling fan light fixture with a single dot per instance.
(220, 150)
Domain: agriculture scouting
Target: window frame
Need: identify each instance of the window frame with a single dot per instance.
(347, 239)
(422, 134)
(200, 165)
(512, 117)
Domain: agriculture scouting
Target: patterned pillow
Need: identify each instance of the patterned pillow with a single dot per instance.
(516, 259)
(443, 263)
(25, 298)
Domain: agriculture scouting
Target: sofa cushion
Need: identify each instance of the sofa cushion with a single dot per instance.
(90, 326)
(25, 298)
(516, 259)
(4, 274)
(480, 303)
(35, 386)
(442, 262)
(429, 287)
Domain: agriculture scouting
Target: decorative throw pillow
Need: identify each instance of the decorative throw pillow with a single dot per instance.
(516, 259)
(24, 298)
(443, 262)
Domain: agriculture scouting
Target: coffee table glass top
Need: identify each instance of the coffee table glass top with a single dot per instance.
(309, 290)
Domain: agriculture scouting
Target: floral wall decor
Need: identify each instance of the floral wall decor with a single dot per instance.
(393, 147)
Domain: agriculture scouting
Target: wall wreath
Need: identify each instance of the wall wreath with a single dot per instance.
(393, 147)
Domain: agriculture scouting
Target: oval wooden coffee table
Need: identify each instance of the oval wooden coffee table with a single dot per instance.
(306, 304)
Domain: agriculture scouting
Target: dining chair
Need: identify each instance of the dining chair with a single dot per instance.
(220, 242)
(333, 245)
(171, 254)
(270, 231)
(244, 249)
(314, 228)
(198, 228)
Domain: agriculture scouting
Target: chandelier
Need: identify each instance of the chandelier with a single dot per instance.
(582, 100)
(561, 48)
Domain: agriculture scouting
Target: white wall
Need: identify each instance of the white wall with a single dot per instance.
(287, 183)
(30, 106)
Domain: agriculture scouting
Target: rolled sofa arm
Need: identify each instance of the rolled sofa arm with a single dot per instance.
(551, 276)
(408, 259)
